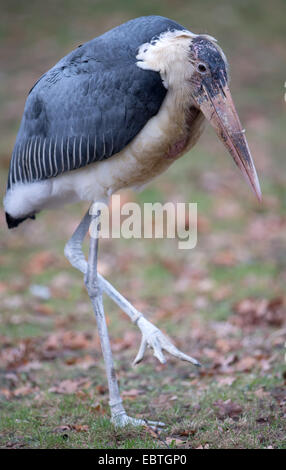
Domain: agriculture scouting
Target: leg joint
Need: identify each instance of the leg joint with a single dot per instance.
(93, 287)
(68, 251)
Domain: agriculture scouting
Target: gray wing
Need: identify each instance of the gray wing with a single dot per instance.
(81, 111)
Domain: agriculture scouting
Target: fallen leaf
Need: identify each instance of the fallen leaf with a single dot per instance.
(252, 312)
(14, 357)
(68, 387)
(279, 393)
(85, 362)
(62, 428)
(246, 364)
(129, 339)
(74, 340)
(97, 408)
(6, 392)
(80, 427)
(222, 381)
(32, 365)
(132, 393)
(227, 408)
(101, 389)
(152, 432)
(43, 309)
(260, 393)
(264, 419)
(71, 427)
(23, 391)
(83, 395)
(188, 432)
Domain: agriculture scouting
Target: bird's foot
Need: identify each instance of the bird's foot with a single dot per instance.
(122, 419)
(154, 338)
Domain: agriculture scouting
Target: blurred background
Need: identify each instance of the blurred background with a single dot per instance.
(223, 302)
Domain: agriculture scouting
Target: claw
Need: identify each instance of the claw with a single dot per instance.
(158, 351)
(155, 339)
(123, 419)
(141, 352)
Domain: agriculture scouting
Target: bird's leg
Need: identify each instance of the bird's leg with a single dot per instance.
(151, 335)
(73, 248)
(118, 413)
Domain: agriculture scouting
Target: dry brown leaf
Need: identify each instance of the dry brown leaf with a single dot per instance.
(246, 364)
(260, 393)
(227, 408)
(23, 391)
(152, 432)
(279, 393)
(129, 339)
(62, 428)
(80, 427)
(74, 340)
(223, 345)
(84, 362)
(32, 365)
(83, 395)
(14, 357)
(162, 401)
(97, 408)
(6, 393)
(188, 432)
(131, 394)
(222, 381)
(71, 427)
(101, 389)
(68, 387)
(43, 309)
(172, 441)
(252, 312)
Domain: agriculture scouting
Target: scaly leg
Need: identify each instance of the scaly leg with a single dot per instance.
(151, 335)
(118, 413)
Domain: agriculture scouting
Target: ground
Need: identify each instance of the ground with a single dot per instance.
(222, 302)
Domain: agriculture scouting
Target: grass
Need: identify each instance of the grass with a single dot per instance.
(192, 295)
(47, 423)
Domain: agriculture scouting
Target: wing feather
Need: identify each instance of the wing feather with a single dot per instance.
(95, 100)
(86, 116)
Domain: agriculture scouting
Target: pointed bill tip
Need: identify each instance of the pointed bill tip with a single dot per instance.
(257, 191)
(248, 169)
(220, 111)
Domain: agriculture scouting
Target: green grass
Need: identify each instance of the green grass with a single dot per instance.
(38, 426)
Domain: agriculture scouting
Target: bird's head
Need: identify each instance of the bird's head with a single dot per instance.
(197, 66)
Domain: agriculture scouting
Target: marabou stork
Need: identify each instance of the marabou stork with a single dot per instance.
(114, 113)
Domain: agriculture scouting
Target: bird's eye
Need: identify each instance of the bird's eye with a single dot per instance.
(201, 68)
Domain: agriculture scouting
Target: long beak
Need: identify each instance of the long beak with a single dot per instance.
(220, 111)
